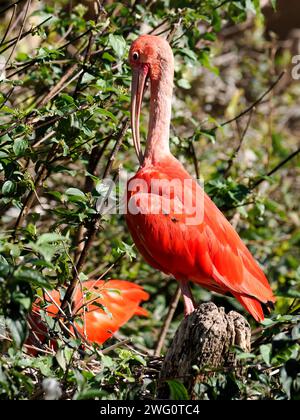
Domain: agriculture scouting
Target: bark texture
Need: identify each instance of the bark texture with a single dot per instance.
(204, 339)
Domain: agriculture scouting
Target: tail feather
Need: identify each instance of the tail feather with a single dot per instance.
(252, 305)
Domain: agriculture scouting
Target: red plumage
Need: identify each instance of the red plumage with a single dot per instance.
(210, 253)
(101, 306)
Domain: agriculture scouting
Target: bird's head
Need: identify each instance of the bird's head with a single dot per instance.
(150, 57)
(150, 53)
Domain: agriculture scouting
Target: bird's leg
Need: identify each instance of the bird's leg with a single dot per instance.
(187, 297)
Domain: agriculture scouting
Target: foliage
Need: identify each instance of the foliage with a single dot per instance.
(64, 108)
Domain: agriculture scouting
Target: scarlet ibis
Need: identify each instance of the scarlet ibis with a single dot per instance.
(102, 307)
(208, 252)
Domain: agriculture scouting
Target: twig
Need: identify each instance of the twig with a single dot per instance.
(254, 103)
(195, 160)
(107, 270)
(242, 136)
(116, 148)
(222, 4)
(59, 86)
(163, 22)
(21, 30)
(12, 41)
(9, 25)
(76, 332)
(174, 28)
(10, 6)
(167, 322)
(7, 97)
(27, 346)
(35, 60)
(26, 66)
(90, 46)
(275, 169)
(93, 161)
(115, 346)
(39, 141)
(76, 38)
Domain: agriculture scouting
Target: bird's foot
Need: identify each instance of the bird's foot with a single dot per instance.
(188, 308)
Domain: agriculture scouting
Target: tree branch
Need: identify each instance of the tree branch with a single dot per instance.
(276, 168)
(242, 136)
(21, 30)
(167, 322)
(251, 107)
(10, 6)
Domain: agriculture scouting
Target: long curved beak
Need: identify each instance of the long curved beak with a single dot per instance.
(138, 84)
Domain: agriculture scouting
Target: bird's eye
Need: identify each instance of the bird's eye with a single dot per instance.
(135, 56)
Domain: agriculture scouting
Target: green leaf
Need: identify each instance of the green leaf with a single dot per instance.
(118, 44)
(177, 390)
(209, 134)
(4, 266)
(250, 6)
(126, 249)
(64, 97)
(18, 330)
(245, 355)
(87, 77)
(91, 394)
(217, 21)
(75, 192)
(32, 276)
(265, 351)
(5, 139)
(83, 277)
(47, 238)
(20, 146)
(61, 360)
(106, 113)
(8, 188)
(184, 84)
(108, 57)
(22, 299)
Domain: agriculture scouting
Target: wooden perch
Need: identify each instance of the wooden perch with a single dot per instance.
(204, 339)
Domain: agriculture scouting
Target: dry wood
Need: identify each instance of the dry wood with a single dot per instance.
(205, 340)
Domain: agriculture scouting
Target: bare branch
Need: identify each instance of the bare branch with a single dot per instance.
(10, 6)
(258, 101)
(21, 30)
(242, 136)
(9, 25)
(276, 168)
(167, 322)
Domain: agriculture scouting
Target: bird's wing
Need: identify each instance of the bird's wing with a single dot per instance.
(233, 264)
(209, 252)
(103, 306)
(120, 301)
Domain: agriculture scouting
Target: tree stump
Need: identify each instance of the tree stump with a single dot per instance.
(204, 339)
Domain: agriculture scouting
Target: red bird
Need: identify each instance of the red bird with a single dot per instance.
(102, 306)
(174, 224)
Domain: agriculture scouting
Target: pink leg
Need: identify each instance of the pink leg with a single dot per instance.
(187, 297)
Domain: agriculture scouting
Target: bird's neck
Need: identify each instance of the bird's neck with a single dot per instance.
(157, 146)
